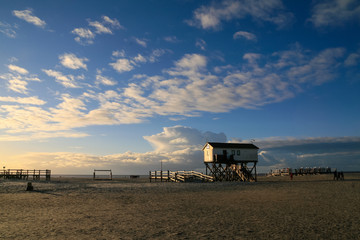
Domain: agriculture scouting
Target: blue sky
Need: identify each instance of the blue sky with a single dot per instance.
(127, 84)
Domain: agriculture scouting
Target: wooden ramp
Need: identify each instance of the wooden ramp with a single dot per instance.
(179, 176)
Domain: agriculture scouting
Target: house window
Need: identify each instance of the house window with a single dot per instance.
(232, 152)
(238, 152)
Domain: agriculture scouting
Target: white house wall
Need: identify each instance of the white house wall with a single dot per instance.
(208, 155)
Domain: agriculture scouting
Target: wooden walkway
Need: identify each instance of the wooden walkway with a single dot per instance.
(179, 176)
(26, 174)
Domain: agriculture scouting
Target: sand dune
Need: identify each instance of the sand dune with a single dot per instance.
(309, 207)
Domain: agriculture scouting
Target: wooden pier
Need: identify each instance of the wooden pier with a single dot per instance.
(24, 174)
(179, 176)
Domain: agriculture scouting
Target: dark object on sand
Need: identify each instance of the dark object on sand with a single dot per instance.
(29, 187)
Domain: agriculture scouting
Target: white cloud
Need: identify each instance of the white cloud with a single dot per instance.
(25, 100)
(140, 58)
(70, 60)
(246, 35)
(18, 69)
(8, 29)
(335, 12)
(122, 65)
(100, 28)
(211, 16)
(113, 22)
(84, 35)
(67, 81)
(18, 79)
(118, 53)
(104, 80)
(140, 42)
(28, 16)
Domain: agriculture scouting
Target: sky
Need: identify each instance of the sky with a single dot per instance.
(128, 85)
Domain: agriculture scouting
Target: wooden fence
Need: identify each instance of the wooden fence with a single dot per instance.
(179, 176)
(25, 174)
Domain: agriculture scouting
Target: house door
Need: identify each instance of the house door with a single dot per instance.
(225, 154)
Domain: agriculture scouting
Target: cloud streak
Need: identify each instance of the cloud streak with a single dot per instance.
(211, 16)
(246, 35)
(335, 13)
(28, 16)
(8, 29)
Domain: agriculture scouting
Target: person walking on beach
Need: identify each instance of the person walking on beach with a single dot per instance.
(291, 176)
(335, 175)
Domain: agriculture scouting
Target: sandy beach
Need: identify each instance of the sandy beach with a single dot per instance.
(309, 207)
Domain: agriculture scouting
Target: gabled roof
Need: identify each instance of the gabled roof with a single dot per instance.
(230, 145)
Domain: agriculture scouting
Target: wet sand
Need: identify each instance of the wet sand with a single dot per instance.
(309, 207)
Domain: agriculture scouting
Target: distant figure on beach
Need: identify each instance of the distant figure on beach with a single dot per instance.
(336, 175)
(341, 175)
(29, 187)
(291, 176)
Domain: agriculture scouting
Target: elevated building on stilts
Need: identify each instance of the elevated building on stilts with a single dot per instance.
(231, 161)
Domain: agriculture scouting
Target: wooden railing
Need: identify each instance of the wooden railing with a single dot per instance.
(25, 174)
(179, 176)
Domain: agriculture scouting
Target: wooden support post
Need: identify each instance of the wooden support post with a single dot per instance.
(255, 172)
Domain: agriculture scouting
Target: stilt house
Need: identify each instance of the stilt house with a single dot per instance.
(231, 161)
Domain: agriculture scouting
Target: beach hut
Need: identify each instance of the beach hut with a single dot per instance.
(231, 161)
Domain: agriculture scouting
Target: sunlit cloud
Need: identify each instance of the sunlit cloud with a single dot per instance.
(177, 147)
(104, 80)
(68, 81)
(211, 16)
(113, 22)
(141, 42)
(28, 16)
(23, 100)
(18, 79)
(18, 69)
(122, 65)
(100, 28)
(86, 36)
(180, 147)
(187, 89)
(71, 61)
